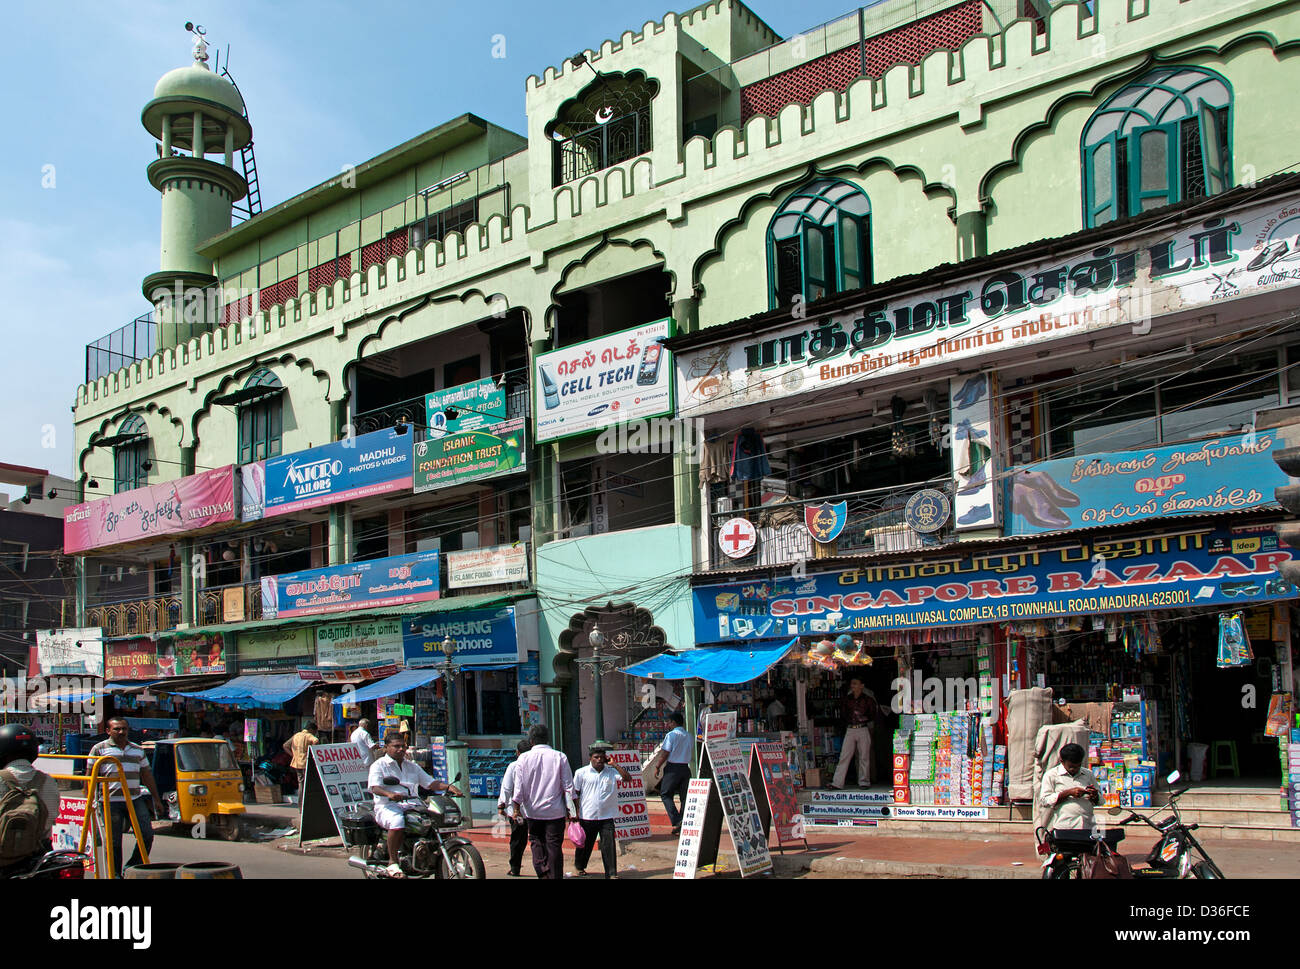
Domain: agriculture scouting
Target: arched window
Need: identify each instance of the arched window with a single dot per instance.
(1162, 139)
(131, 454)
(819, 242)
(605, 125)
(260, 417)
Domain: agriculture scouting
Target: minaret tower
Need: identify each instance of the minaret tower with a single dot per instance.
(194, 113)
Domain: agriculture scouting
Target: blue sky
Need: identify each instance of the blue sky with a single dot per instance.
(327, 84)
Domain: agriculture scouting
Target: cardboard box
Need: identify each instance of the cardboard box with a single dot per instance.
(812, 777)
(268, 794)
(1140, 799)
(900, 761)
(900, 778)
(900, 795)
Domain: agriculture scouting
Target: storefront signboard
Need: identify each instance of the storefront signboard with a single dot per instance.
(935, 812)
(1211, 568)
(338, 780)
(692, 831)
(171, 508)
(191, 654)
(394, 581)
(633, 820)
(131, 659)
(458, 459)
(1203, 264)
(357, 467)
(1216, 475)
(438, 760)
(610, 380)
(498, 565)
(854, 797)
(482, 637)
(477, 405)
(728, 765)
(822, 812)
(364, 644)
(66, 833)
(70, 652)
(268, 650)
(252, 491)
(719, 726)
(770, 767)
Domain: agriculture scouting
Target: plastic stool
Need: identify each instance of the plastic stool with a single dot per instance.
(1217, 763)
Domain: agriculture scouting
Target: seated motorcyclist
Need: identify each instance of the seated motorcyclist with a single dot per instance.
(19, 746)
(1071, 791)
(392, 801)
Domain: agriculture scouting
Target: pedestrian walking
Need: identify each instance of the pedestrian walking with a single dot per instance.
(365, 743)
(506, 808)
(676, 750)
(298, 747)
(596, 789)
(543, 789)
(135, 770)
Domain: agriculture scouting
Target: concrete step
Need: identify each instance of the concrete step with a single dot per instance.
(1243, 798)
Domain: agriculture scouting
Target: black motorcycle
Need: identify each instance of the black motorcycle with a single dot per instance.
(1172, 854)
(1065, 847)
(56, 865)
(432, 848)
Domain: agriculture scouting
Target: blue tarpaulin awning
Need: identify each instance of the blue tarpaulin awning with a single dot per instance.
(390, 686)
(717, 664)
(253, 690)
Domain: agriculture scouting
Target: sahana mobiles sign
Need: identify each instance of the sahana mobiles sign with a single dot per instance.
(610, 380)
(394, 581)
(1222, 474)
(172, 508)
(1122, 284)
(369, 464)
(1116, 575)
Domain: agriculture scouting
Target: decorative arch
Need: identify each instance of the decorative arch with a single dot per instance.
(607, 123)
(819, 242)
(1160, 139)
(131, 464)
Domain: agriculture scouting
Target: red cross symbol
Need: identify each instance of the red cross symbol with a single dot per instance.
(741, 536)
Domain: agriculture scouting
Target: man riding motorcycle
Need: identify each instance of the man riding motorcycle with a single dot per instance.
(392, 801)
(19, 746)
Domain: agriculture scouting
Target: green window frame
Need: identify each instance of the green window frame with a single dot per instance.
(1160, 140)
(261, 422)
(130, 456)
(819, 242)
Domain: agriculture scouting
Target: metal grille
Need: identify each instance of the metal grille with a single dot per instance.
(610, 144)
(1189, 132)
(327, 272)
(279, 292)
(236, 311)
(910, 44)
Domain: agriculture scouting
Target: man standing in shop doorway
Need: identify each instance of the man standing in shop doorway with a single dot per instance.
(676, 750)
(858, 713)
(298, 747)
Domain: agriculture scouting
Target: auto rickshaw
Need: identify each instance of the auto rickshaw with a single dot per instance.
(198, 778)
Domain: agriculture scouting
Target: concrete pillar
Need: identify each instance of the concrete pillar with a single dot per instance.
(691, 692)
(198, 145)
(167, 136)
(189, 586)
(230, 146)
(972, 235)
(554, 696)
(340, 516)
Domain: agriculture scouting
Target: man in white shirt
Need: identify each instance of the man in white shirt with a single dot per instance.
(364, 742)
(596, 788)
(676, 752)
(506, 808)
(1071, 791)
(393, 800)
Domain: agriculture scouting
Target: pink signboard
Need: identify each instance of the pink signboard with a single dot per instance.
(171, 508)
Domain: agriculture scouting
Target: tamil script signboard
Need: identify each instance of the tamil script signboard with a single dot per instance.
(394, 581)
(268, 650)
(477, 405)
(1208, 568)
(612, 379)
(172, 508)
(1220, 474)
(359, 467)
(375, 643)
(1199, 265)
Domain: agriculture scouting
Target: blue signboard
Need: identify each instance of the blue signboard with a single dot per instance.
(1231, 568)
(438, 761)
(482, 637)
(1222, 474)
(394, 581)
(358, 467)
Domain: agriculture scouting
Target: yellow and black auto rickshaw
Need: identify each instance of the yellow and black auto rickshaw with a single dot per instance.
(200, 781)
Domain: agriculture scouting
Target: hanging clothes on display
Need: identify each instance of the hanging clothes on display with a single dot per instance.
(715, 460)
(749, 457)
(1234, 644)
(323, 708)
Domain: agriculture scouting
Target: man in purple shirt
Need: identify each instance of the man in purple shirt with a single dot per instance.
(543, 791)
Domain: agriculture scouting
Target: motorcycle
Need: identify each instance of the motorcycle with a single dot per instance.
(432, 847)
(1171, 856)
(54, 865)
(1065, 848)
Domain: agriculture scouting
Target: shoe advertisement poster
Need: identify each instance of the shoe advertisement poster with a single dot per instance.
(972, 447)
(1220, 474)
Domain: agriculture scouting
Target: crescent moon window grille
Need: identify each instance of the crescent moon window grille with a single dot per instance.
(606, 124)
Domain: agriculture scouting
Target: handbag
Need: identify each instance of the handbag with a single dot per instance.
(576, 833)
(1104, 864)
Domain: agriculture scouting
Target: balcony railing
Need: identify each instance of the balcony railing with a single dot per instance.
(140, 617)
(144, 336)
(875, 524)
(610, 144)
(413, 412)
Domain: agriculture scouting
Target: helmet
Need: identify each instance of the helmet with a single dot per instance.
(18, 742)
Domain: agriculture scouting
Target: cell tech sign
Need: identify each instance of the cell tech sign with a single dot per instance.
(359, 467)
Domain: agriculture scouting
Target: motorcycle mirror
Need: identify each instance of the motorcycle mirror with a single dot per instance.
(391, 781)
(456, 779)
(1115, 812)
(1173, 778)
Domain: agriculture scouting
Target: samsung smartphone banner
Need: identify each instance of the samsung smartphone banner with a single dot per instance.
(482, 637)
(394, 581)
(359, 467)
(173, 508)
(609, 380)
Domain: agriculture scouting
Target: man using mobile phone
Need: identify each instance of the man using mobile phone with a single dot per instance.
(1071, 791)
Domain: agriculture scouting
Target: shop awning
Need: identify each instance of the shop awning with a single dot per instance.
(720, 664)
(390, 686)
(252, 690)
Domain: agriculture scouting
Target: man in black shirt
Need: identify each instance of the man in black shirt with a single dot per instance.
(858, 713)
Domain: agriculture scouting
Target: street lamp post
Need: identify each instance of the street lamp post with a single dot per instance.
(599, 665)
(457, 750)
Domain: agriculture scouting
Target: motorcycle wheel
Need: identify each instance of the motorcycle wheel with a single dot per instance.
(465, 863)
(1202, 870)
